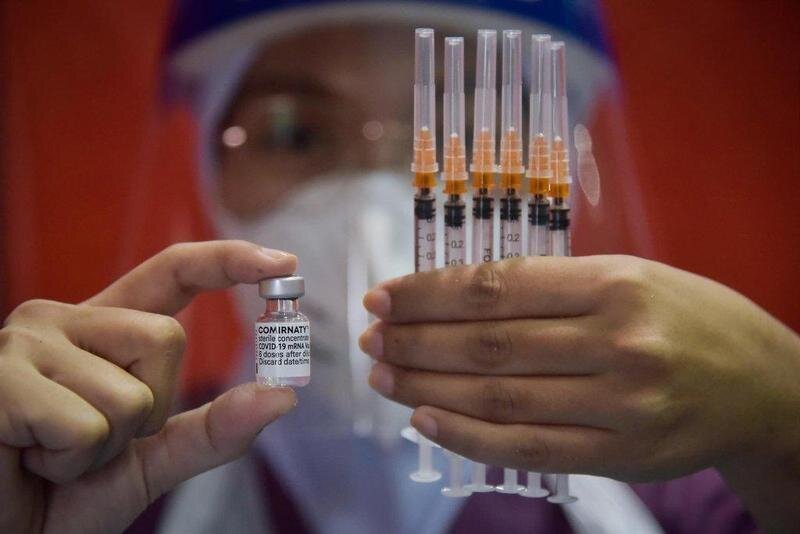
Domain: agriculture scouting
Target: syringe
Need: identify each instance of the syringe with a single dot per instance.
(483, 167)
(512, 169)
(424, 167)
(539, 173)
(559, 210)
(541, 127)
(455, 159)
(562, 179)
(455, 185)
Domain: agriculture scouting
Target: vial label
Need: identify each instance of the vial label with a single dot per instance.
(283, 349)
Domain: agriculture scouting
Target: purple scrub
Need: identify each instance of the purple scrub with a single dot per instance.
(700, 503)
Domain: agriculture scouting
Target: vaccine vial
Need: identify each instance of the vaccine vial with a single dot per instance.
(282, 334)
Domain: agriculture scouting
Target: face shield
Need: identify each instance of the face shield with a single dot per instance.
(305, 140)
(304, 113)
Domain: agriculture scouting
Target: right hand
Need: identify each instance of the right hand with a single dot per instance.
(85, 392)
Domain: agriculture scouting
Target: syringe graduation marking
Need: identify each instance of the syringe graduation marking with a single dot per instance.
(425, 229)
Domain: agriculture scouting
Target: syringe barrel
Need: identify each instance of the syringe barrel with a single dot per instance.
(455, 158)
(560, 243)
(424, 103)
(424, 230)
(484, 132)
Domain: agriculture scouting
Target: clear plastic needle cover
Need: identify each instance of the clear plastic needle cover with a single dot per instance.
(483, 137)
(511, 104)
(560, 111)
(454, 148)
(541, 86)
(424, 103)
(541, 108)
(560, 162)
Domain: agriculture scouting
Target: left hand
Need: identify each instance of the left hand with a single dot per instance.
(86, 443)
(607, 365)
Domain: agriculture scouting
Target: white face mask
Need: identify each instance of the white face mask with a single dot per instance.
(349, 233)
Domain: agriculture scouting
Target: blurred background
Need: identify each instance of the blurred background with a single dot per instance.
(99, 167)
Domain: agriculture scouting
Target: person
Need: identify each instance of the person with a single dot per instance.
(667, 373)
(293, 106)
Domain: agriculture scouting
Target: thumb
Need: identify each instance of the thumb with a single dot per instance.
(198, 440)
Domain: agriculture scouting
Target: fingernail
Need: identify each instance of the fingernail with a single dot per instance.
(425, 424)
(274, 255)
(381, 379)
(371, 341)
(378, 302)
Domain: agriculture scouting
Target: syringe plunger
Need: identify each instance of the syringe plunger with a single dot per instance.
(562, 494)
(534, 489)
(478, 484)
(456, 487)
(425, 472)
(509, 484)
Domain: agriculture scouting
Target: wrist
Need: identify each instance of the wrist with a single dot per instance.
(765, 470)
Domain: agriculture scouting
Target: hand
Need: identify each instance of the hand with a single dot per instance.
(85, 391)
(607, 365)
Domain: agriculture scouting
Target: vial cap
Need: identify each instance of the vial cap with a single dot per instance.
(282, 287)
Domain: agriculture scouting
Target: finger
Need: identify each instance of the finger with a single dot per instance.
(167, 282)
(509, 347)
(60, 432)
(124, 401)
(540, 448)
(573, 400)
(518, 288)
(149, 346)
(195, 441)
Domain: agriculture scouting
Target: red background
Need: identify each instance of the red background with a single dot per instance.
(97, 175)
